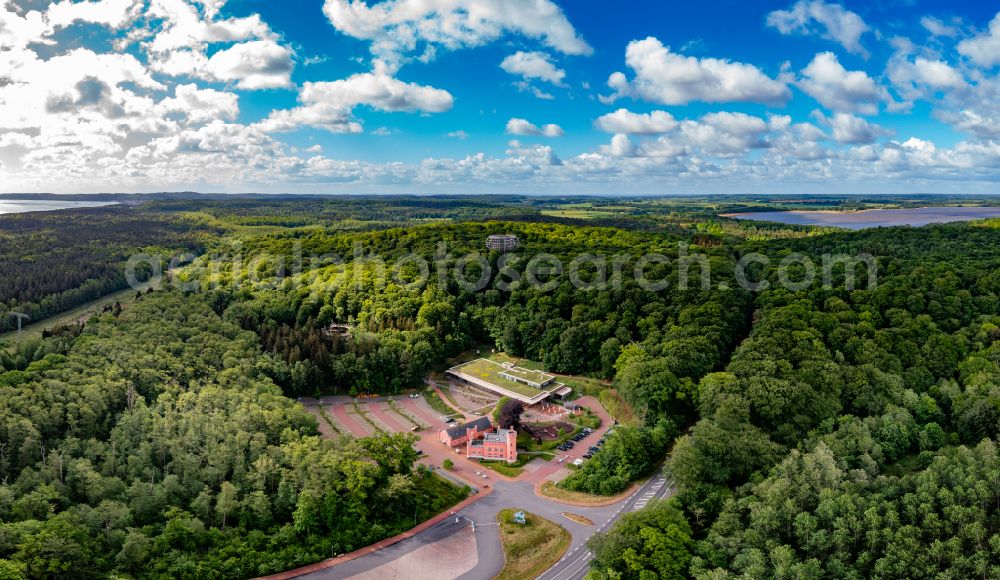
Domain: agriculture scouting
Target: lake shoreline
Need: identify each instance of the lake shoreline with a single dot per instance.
(872, 218)
(16, 206)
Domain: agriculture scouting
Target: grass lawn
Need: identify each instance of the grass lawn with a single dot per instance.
(531, 548)
(502, 357)
(588, 419)
(504, 469)
(583, 521)
(618, 408)
(432, 398)
(527, 443)
(509, 469)
(550, 489)
(582, 385)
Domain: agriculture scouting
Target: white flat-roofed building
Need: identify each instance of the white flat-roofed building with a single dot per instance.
(508, 380)
(502, 242)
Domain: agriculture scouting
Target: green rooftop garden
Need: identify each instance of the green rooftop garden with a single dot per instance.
(489, 371)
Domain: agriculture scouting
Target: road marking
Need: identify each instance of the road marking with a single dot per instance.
(573, 568)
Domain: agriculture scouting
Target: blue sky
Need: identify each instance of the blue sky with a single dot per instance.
(530, 96)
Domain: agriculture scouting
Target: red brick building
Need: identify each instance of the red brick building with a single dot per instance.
(481, 442)
(499, 446)
(462, 434)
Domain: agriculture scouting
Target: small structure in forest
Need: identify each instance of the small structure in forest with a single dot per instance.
(502, 242)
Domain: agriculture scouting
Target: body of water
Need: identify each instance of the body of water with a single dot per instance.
(26, 205)
(873, 218)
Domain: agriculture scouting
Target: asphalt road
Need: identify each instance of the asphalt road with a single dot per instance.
(520, 495)
(506, 494)
(576, 563)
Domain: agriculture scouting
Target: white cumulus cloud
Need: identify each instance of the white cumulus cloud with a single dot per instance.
(523, 127)
(984, 49)
(854, 130)
(258, 64)
(831, 21)
(921, 77)
(201, 104)
(629, 123)
(533, 65)
(397, 28)
(330, 105)
(662, 76)
(836, 88)
(937, 27)
(113, 13)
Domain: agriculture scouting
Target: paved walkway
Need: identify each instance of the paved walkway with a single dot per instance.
(444, 398)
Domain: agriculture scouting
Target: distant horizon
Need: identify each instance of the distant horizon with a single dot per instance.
(42, 195)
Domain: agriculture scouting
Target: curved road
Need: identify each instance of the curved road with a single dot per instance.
(574, 564)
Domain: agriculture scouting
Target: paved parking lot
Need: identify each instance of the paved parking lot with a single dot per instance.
(447, 550)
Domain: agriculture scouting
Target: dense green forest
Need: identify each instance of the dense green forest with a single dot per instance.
(400, 332)
(853, 433)
(812, 430)
(54, 261)
(156, 445)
